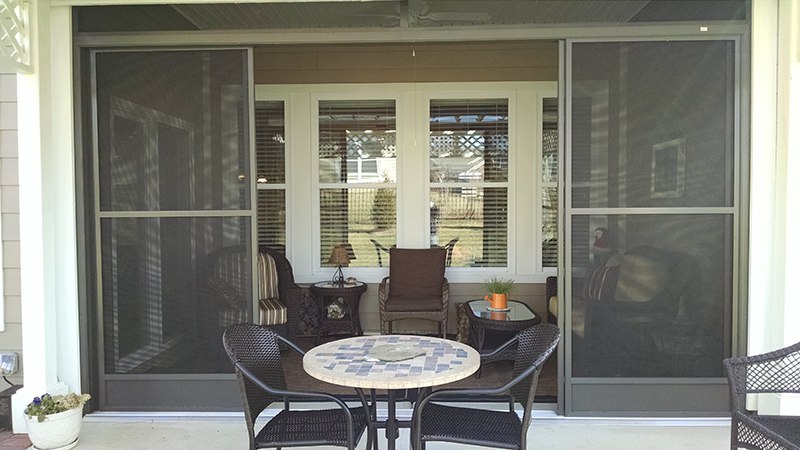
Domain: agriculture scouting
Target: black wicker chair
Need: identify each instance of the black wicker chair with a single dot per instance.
(773, 372)
(255, 355)
(499, 429)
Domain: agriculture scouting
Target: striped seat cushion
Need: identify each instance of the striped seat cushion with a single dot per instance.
(267, 277)
(270, 310)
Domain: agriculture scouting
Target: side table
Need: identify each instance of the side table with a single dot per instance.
(502, 323)
(326, 292)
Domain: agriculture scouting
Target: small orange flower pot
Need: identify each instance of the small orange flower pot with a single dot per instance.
(498, 315)
(497, 301)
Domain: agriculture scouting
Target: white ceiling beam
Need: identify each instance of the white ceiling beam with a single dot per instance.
(394, 35)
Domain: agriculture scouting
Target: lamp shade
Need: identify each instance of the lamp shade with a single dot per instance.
(339, 256)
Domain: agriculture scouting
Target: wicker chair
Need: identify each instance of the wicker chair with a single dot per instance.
(449, 247)
(499, 429)
(255, 355)
(379, 250)
(415, 288)
(773, 372)
(302, 317)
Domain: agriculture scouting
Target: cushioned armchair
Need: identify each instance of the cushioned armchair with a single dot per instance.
(282, 304)
(646, 310)
(415, 288)
(302, 317)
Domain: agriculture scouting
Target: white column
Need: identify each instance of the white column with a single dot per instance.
(50, 343)
(788, 142)
(774, 300)
(765, 185)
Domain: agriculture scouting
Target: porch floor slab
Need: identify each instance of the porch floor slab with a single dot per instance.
(550, 432)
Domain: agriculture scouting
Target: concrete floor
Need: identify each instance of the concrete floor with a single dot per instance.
(227, 431)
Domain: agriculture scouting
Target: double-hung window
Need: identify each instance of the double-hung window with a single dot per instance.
(357, 179)
(469, 149)
(549, 171)
(270, 132)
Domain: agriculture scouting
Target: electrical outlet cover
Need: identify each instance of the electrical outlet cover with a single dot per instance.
(8, 363)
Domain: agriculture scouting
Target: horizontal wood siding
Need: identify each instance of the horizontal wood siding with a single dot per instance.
(400, 63)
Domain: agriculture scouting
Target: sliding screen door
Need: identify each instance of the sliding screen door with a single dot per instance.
(651, 214)
(173, 214)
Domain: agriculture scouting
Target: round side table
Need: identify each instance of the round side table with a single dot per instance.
(326, 292)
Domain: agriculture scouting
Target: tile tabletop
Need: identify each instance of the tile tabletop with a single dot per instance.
(346, 362)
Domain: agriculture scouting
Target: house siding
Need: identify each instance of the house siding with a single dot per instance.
(412, 63)
(11, 338)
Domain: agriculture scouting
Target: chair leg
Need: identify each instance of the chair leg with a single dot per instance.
(389, 324)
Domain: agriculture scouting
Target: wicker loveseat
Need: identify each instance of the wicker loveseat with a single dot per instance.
(776, 372)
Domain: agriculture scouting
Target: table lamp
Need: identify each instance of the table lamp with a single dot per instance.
(339, 257)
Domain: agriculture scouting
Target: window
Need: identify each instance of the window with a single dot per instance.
(469, 147)
(271, 173)
(357, 179)
(373, 166)
(549, 120)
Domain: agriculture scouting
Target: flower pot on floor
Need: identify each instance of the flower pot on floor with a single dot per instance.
(57, 432)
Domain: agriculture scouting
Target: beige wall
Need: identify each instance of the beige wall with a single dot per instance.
(531, 294)
(413, 62)
(11, 338)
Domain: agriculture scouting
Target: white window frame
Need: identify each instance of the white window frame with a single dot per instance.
(513, 145)
(539, 127)
(287, 154)
(413, 160)
(316, 98)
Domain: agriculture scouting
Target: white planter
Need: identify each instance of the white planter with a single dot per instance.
(57, 432)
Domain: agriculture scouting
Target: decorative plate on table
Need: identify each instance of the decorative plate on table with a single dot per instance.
(393, 353)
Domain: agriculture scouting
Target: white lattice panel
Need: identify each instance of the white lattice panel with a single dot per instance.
(14, 34)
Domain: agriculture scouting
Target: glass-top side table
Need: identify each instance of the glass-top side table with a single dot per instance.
(517, 311)
(502, 325)
(326, 293)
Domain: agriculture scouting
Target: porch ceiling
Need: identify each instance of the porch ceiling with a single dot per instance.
(401, 14)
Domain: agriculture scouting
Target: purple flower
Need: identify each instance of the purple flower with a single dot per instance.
(37, 401)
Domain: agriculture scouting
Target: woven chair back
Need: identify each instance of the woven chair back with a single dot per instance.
(776, 371)
(534, 346)
(256, 348)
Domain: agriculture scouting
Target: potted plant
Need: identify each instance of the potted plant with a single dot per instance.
(54, 421)
(500, 289)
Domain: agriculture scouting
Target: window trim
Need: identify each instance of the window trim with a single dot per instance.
(285, 186)
(368, 94)
(513, 147)
(539, 137)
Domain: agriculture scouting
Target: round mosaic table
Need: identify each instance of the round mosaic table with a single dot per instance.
(346, 363)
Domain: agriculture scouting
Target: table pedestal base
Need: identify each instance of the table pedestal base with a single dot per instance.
(391, 425)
